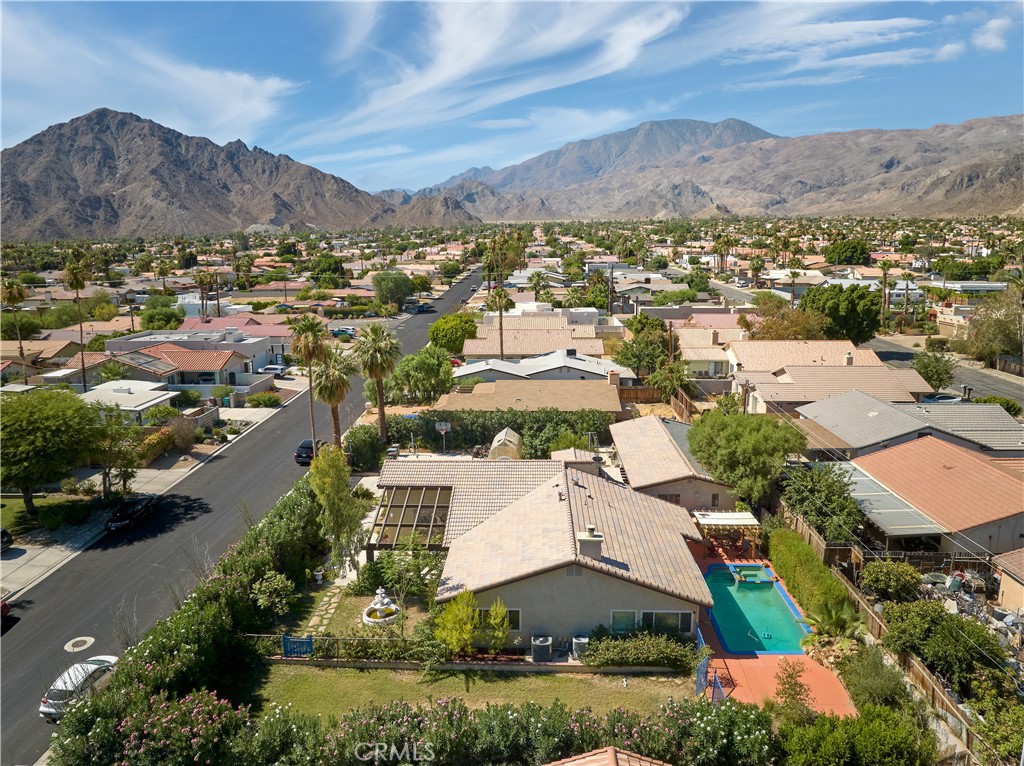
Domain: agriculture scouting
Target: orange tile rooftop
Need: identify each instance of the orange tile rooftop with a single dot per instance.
(752, 679)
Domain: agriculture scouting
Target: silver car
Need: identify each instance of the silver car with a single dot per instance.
(76, 683)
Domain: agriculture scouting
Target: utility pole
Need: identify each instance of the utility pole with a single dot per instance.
(744, 388)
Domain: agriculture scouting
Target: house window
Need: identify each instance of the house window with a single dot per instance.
(674, 499)
(673, 623)
(513, 618)
(623, 621)
(714, 500)
(574, 570)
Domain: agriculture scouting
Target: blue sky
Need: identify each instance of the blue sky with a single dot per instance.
(402, 94)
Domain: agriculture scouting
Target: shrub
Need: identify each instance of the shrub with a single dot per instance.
(1010, 405)
(222, 392)
(369, 578)
(641, 650)
(77, 514)
(232, 431)
(87, 488)
(161, 415)
(870, 681)
(274, 592)
(769, 524)
(936, 344)
(154, 445)
(807, 579)
(264, 399)
(51, 516)
(183, 434)
(69, 486)
(364, 448)
(891, 580)
(219, 435)
(199, 434)
(188, 398)
(458, 624)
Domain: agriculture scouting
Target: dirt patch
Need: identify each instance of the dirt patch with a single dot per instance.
(659, 409)
(175, 461)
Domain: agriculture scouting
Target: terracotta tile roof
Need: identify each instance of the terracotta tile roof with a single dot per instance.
(708, 320)
(768, 355)
(608, 756)
(531, 343)
(701, 337)
(1013, 465)
(91, 358)
(954, 487)
(644, 539)
(480, 488)
(1012, 563)
(574, 455)
(568, 395)
(219, 323)
(192, 360)
(650, 455)
(811, 384)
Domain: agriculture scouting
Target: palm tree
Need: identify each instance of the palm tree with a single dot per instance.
(14, 294)
(537, 282)
(574, 297)
(838, 618)
(332, 381)
(885, 266)
(377, 352)
(756, 265)
(163, 270)
(309, 342)
(75, 277)
(244, 266)
(793, 276)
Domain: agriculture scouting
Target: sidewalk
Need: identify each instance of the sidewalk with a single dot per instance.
(39, 554)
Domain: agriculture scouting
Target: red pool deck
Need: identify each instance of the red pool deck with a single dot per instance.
(752, 679)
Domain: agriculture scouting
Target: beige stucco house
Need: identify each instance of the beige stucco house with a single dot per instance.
(1011, 580)
(577, 552)
(656, 459)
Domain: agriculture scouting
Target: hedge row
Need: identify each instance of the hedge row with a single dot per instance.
(807, 579)
(641, 650)
(154, 445)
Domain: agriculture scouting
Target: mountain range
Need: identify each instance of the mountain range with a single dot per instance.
(110, 174)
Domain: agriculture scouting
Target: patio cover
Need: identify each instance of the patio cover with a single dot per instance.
(725, 519)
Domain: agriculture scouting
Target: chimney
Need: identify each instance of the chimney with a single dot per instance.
(589, 544)
(744, 335)
(734, 310)
(849, 359)
(714, 337)
(613, 378)
(123, 390)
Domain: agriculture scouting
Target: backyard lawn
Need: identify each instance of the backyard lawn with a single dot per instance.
(348, 616)
(334, 690)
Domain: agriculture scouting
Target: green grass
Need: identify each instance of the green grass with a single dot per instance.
(348, 615)
(334, 690)
(15, 519)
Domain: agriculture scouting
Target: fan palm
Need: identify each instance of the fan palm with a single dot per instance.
(838, 618)
(309, 343)
(163, 270)
(793, 277)
(377, 352)
(332, 381)
(14, 294)
(75, 276)
(885, 266)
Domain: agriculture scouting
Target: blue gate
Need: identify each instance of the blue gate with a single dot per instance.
(702, 675)
(296, 647)
(717, 692)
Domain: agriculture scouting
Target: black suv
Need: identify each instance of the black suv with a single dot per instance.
(304, 452)
(129, 511)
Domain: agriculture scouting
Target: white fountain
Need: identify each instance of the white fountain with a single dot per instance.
(382, 611)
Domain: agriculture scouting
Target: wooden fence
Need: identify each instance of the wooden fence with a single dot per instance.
(682, 407)
(830, 553)
(1011, 364)
(639, 395)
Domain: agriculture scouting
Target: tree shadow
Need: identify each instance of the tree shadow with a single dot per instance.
(168, 512)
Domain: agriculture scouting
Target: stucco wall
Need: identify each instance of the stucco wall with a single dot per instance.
(559, 605)
(695, 494)
(996, 537)
(1011, 594)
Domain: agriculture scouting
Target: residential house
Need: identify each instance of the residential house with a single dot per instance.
(524, 343)
(855, 423)
(40, 353)
(929, 494)
(782, 392)
(134, 397)
(656, 460)
(580, 551)
(565, 395)
(704, 349)
(255, 349)
(91, 329)
(1010, 566)
(771, 355)
(556, 365)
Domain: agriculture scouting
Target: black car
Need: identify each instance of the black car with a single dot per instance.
(129, 511)
(6, 540)
(304, 452)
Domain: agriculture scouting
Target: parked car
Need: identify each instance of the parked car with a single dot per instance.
(129, 511)
(337, 332)
(941, 399)
(6, 540)
(76, 683)
(277, 370)
(455, 361)
(304, 452)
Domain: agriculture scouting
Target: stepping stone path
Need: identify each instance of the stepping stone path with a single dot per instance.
(325, 611)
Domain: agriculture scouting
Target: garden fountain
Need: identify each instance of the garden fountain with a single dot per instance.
(382, 611)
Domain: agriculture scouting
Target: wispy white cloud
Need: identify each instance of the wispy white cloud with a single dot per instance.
(791, 82)
(510, 123)
(991, 36)
(79, 72)
(475, 56)
(951, 51)
(371, 153)
(356, 25)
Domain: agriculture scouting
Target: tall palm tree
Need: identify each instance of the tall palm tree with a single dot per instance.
(332, 381)
(885, 266)
(574, 297)
(793, 276)
(163, 270)
(75, 277)
(377, 351)
(244, 266)
(309, 342)
(14, 294)
(537, 282)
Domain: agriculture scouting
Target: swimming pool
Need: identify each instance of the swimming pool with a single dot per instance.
(752, 614)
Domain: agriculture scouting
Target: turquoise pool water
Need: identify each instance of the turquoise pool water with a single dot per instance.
(754, 616)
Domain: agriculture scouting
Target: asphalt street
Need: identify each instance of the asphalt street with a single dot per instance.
(112, 593)
(984, 383)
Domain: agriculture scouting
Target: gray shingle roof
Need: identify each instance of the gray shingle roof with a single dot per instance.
(860, 419)
(987, 424)
(644, 539)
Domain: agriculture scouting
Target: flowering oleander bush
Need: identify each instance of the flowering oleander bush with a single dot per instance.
(641, 650)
